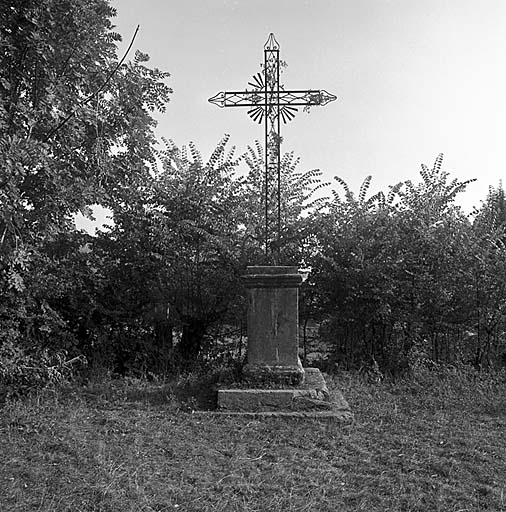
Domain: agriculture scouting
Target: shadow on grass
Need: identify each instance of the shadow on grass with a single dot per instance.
(198, 392)
(129, 391)
(189, 392)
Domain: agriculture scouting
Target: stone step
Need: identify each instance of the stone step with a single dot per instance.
(310, 396)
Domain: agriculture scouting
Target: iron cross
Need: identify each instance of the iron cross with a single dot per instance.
(270, 102)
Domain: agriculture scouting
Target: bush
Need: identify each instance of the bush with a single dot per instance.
(22, 372)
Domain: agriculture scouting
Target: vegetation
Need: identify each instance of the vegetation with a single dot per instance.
(66, 142)
(103, 338)
(396, 278)
(433, 442)
(408, 276)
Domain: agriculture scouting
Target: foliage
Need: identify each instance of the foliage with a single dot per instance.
(181, 247)
(22, 373)
(53, 56)
(397, 276)
(489, 280)
(175, 257)
(299, 199)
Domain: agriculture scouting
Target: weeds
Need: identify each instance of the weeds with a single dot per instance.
(431, 442)
(22, 372)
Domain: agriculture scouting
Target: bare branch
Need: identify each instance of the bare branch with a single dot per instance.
(95, 93)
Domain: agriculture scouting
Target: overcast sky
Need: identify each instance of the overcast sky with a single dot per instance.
(414, 78)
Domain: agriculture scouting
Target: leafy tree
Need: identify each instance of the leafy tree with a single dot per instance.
(180, 248)
(185, 245)
(75, 129)
(492, 215)
(489, 280)
(299, 200)
(391, 269)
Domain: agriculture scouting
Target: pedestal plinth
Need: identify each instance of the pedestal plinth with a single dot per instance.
(273, 320)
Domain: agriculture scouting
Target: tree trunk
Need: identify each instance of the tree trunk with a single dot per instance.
(163, 335)
(191, 342)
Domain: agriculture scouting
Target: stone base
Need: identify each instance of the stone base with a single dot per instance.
(311, 398)
(258, 376)
(336, 415)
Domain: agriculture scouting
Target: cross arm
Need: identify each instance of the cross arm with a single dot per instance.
(259, 98)
(306, 98)
(238, 99)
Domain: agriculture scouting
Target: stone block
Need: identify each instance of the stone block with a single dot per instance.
(272, 354)
(310, 396)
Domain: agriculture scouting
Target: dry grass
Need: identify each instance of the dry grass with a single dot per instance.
(414, 446)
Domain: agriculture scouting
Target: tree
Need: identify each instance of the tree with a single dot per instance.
(75, 129)
(492, 214)
(489, 279)
(181, 245)
(185, 245)
(391, 270)
(299, 203)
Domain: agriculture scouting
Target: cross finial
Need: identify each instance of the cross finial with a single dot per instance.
(271, 43)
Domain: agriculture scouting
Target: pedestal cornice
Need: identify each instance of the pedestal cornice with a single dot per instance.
(272, 277)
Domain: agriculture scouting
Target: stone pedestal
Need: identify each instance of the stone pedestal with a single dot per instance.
(273, 324)
(274, 382)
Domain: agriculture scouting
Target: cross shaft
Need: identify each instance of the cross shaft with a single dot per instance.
(269, 102)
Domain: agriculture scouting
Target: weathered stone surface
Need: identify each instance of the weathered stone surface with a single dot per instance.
(342, 416)
(261, 375)
(311, 396)
(272, 354)
(272, 277)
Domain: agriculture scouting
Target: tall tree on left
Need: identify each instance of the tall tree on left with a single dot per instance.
(76, 128)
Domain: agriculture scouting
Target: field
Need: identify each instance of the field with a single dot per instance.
(434, 443)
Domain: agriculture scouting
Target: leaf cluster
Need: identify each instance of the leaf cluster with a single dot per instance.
(406, 275)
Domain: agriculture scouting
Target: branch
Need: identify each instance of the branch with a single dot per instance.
(95, 93)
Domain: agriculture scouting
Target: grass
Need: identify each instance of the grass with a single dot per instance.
(436, 443)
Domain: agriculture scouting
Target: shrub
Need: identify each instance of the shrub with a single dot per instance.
(22, 372)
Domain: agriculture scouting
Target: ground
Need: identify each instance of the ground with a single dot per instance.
(429, 444)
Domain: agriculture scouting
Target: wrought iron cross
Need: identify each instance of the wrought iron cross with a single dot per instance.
(268, 101)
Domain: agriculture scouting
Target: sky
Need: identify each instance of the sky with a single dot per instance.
(414, 78)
